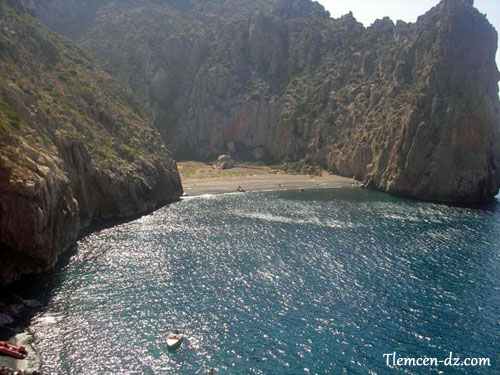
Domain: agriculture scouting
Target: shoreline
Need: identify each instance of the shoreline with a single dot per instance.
(204, 180)
(32, 364)
(256, 179)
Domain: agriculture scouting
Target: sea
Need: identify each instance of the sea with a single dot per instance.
(340, 281)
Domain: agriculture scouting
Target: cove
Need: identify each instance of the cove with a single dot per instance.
(321, 282)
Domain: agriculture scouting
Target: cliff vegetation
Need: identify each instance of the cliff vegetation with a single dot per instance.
(410, 109)
(75, 146)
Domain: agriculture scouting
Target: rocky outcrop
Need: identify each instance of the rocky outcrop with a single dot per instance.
(74, 147)
(437, 132)
(410, 109)
(224, 162)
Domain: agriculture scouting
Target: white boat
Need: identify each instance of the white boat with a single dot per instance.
(174, 340)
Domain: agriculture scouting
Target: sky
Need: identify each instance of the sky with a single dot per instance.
(367, 11)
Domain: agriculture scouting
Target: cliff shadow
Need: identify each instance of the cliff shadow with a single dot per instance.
(22, 300)
(492, 206)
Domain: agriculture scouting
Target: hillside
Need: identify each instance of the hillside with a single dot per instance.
(74, 146)
(411, 109)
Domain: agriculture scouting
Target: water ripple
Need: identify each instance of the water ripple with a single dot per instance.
(279, 283)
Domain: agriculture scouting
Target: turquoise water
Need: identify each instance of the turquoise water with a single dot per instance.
(321, 282)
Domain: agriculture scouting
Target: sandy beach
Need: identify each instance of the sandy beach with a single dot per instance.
(199, 178)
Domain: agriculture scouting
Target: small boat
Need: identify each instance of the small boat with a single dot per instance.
(174, 340)
(18, 352)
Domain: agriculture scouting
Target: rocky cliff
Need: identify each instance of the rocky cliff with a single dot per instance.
(74, 146)
(410, 109)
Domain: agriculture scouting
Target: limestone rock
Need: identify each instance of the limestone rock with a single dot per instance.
(411, 109)
(258, 153)
(74, 147)
(224, 162)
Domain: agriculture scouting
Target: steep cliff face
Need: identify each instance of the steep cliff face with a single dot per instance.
(411, 109)
(74, 147)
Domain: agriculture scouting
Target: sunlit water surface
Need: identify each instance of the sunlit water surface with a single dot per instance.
(321, 282)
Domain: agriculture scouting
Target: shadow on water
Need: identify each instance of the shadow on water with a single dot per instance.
(492, 206)
(36, 292)
(399, 272)
(360, 195)
(26, 298)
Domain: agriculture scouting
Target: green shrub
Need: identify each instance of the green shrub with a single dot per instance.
(11, 120)
(8, 111)
(65, 77)
(6, 126)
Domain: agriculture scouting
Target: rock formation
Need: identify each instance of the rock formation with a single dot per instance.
(74, 147)
(410, 109)
(224, 162)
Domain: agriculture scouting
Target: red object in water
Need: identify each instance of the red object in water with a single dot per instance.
(18, 352)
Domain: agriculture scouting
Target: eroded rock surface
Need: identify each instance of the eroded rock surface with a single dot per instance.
(411, 109)
(74, 147)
